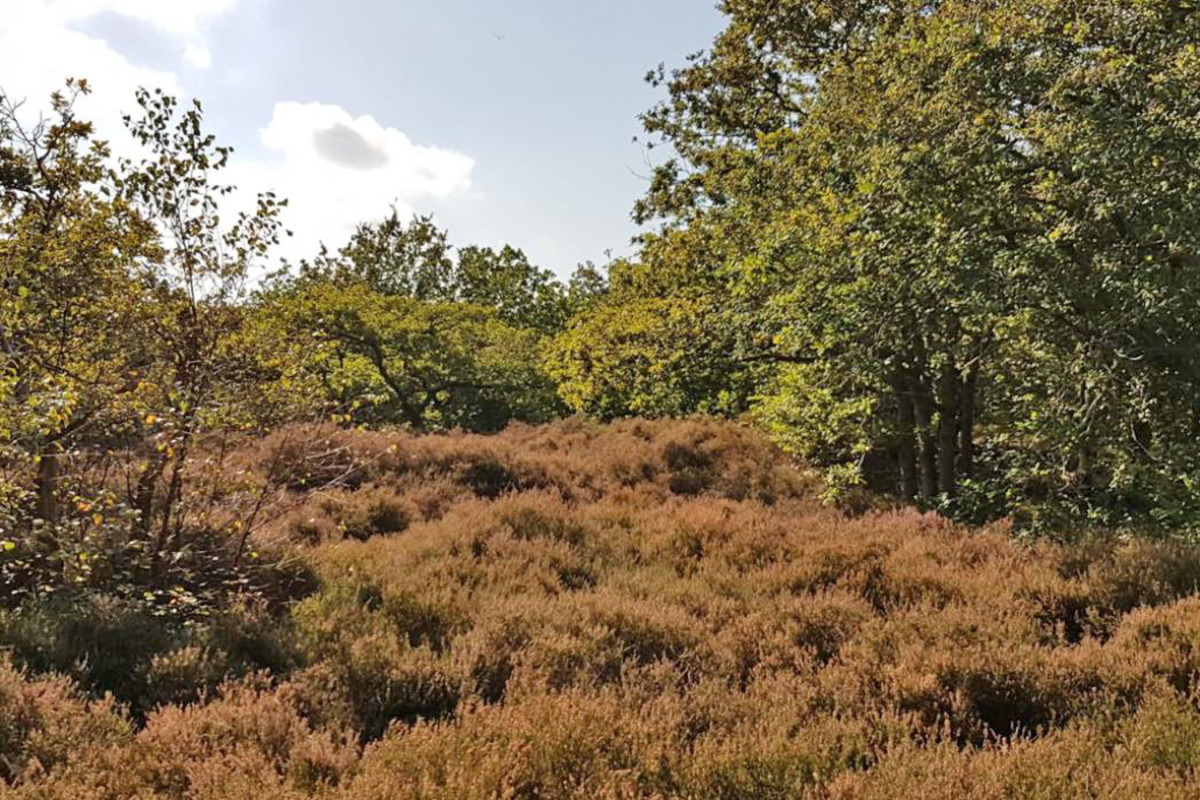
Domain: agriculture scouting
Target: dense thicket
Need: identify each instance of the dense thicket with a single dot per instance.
(950, 246)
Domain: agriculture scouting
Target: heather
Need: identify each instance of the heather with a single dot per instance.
(644, 609)
(870, 470)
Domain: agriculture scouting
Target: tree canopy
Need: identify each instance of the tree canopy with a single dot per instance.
(949, 249)
(965, 232)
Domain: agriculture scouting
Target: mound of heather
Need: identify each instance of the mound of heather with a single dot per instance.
(647, 610)
(344, 483)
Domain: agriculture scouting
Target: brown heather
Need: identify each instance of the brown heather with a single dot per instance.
(647, 610)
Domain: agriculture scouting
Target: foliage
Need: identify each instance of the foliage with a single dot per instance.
(588, 285)
(196, 287)
(391, 258)
(123, 344)
(522, 295)
(416, 260)
(397, 329)
(71, 303)
(646, 356)
(389, 358)
(963, 233)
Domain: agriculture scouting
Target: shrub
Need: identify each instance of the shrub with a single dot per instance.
(644, 610)
(44, 722)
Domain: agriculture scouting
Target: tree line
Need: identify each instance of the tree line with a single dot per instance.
(947, 250)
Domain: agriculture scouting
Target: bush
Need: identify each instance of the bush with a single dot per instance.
(647, 610)
(109, 647)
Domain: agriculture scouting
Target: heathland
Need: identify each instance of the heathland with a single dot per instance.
(645, 610)
(871, 472)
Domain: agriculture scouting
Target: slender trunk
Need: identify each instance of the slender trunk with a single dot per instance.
(1088, 473)
(171, 504)
(906, 445)
(47, 488)
(947, 429)
(966, 425)
(1088, 452)
(147, 485)
(174, 492)
(927, 460)
(1195, 410)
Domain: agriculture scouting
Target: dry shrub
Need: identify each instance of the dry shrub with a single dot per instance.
(247, 742)
(1151, 753)
(1104, 581)
(576, 461)
(340, 514)
(642, 610)
(568, 745)
(247, 739)
(312, 457)
(241, 641)
(45, 723)
(375, 684)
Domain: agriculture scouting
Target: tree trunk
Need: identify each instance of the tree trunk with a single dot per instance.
(927, 461)
(966, 425)
(947, 405)
(47, 488)
(906, 447)
(1088, 476)
(143, 499)
(174, 495)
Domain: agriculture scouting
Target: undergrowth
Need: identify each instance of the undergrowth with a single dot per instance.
(644, 610)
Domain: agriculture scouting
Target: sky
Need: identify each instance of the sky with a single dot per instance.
(511, 121)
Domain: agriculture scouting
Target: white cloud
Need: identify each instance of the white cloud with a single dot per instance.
(338, 170)
(177, 16)
(197, 56)
(335, 169)
(40, 48)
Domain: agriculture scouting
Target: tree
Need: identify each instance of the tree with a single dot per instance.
(70, 299)
(970, 229)
(416, 260)
(431, 366)
(587, 287)
(197, 286)
(522, 294)
(392, 258)
(399, 328)
(123, 340)
(640, 357)
(639, 347)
